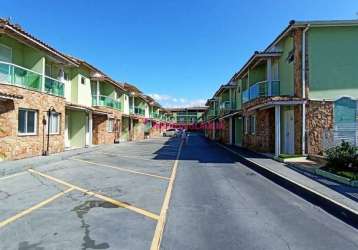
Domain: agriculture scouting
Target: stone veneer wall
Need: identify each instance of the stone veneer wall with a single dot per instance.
(319, 116)
(264, 139)
(14, 146)
(138, 129)
(100, 133)
(224, 131)
(298, 128)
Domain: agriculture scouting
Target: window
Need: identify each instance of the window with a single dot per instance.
(110, 125)
(5, 53)
(54, 122)
(27, 123)
(246, 123)
(83, 80)
(291, 56)
(253, 124)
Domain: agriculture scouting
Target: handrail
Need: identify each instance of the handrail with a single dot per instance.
(53, 79)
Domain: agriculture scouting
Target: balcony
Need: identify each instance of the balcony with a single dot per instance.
(155, 116)
(261, 89)
(137, 110)
(212, 113)
(227, 105)
(19, 76)
(54, 87)
(105, 101)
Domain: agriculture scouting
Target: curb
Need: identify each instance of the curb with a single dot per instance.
(333, 207)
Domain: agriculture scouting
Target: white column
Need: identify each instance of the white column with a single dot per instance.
(303, 128)
(90, 128)
(277, 130)
(97, 94)
(269, 76)
(43, 74)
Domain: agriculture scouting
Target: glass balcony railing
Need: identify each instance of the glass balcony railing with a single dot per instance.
(137, 110)
(227, 105)
(26, 78)
(261, 89)
(155, 115)
(16, 75)
(54, 86)
(105, 101)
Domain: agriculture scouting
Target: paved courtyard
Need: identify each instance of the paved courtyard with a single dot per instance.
(109, 198)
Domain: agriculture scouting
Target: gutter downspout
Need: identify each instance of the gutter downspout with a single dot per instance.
(304, 89)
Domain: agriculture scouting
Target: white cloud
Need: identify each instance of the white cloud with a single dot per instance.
(177, 102)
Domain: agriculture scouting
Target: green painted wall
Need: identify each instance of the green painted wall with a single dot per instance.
(107, 89)
(257, 74)
(239, 95)
(285, 68)
(23, 55)
(333, 62)
(77, 128)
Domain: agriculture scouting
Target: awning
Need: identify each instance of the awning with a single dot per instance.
(7, 96)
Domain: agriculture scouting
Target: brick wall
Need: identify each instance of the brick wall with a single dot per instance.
(319, 116)
(138, 129)
(264, 139)
(14, 146)
(224, 131)
(100, 133)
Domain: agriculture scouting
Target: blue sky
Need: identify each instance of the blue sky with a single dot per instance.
(178, 51)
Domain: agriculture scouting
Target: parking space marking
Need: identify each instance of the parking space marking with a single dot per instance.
(13, 175)
(158, 234)
(122, 169)
(99, 196)
(33, 208)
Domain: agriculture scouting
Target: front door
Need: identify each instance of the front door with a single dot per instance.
(288, 132)
(238, 131)
(67, 139)
(233, 134)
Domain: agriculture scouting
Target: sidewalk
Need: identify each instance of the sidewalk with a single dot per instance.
(318, 190)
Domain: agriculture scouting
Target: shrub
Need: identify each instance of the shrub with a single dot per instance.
(343, 156)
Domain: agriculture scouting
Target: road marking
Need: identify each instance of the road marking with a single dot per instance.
(33, 208)
(158, 234)
(130, 157)
(13, 175)
(100, 196)
(122, 169)
(294, 182)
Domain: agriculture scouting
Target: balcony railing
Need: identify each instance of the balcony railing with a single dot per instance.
(26, 78)
(212, 113)
(137, 110)
(16, 75)
(105, 101)
(261, 89)
(227, 105)
(54, 86)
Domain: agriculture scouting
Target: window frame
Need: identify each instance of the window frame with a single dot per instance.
(247, 125)
(9, 48)
(26, 122)
(110, 121)
(58, 123)
(253, 124)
